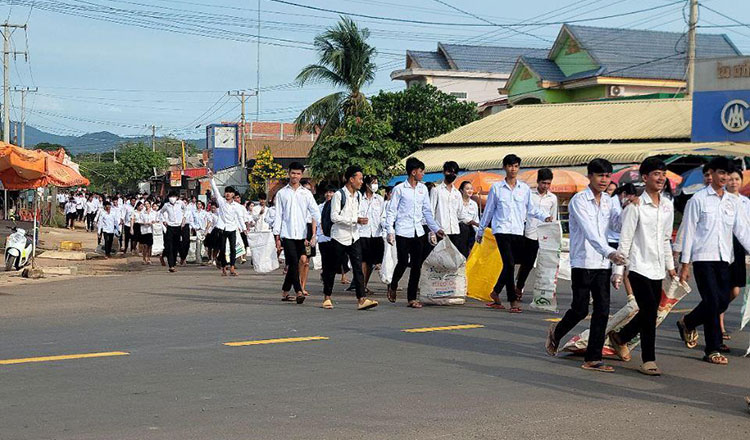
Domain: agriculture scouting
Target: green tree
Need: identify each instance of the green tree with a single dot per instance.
(46, 146)
(102, 175)
(345, 62)
(421, 112)
(265, 168)
(359, 140)
(136, 162)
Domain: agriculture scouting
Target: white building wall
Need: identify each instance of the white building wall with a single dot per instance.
(477, 89)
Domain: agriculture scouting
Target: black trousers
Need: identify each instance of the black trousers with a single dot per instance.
(184, 241)
(90, 221)
(409, 250)
(334, 256)
(588, 283)
(647, 294)
(293, 250)
(465, 239)
(510, 247)
(232, 237)
(172, 244)
(70, 219)
(128, 237)
(244, 239)
(530, 251)
(79, 214)
(108, 238)
(712, 279)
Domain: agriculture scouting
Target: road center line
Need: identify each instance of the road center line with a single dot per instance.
(275, 341)
(440, 329)
(553, 319)
(62, 357)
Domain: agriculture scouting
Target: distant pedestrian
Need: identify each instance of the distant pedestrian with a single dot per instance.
(445, 202)
(173, 213)
(469, 217)
(108, 226)
(70, 213)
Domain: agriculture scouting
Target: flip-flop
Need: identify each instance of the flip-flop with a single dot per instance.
(726, 336)
(415, 305)
(515, 310)
(494, 305)
(391, 295)
(287, 298)
(650, 369)
(599, 366)
(716, 359)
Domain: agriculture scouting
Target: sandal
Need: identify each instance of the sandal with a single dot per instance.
(327, 304)
(494, 305)
(551, 345)
(621, 350)
(724, 348)
(391, 294)
(286, 298)
(515, 310)
(598, 366)
(415, 304)
(300, 298)
(650, 369)
(716, 359)
(689, 337)
(726, 336)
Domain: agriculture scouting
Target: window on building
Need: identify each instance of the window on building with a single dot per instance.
(458, 95)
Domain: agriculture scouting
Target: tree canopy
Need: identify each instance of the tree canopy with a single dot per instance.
(135, 162)
(421, 112)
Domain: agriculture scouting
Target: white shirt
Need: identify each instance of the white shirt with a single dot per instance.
(321, 238)
(293, 207)
(108, 222)
(645, 238)
(613, 236)
(344, 229)
(588, 230)
(147, 219)
(507, 208)
(127, 213)
(409, 206)
(372, 208)
(271, 216)
(91, 206)
(226, 211)
(547, 203)
(80, 201)
(445, 201)
(708, 224)
(173, 215)
(199, 220)
(70, 207)
(61, 198)
(117, 212)
(260, 218)
(469, 212)
(243, 218)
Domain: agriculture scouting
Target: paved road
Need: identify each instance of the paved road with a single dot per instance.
(369, 379)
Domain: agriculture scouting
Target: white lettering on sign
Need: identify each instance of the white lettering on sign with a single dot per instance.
(733, 115)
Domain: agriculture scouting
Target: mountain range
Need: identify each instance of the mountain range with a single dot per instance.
(90, 142)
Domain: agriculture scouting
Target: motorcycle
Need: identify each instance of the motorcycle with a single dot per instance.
(18, 250)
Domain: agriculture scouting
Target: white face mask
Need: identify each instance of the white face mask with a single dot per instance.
(374, 187)
(173, 200)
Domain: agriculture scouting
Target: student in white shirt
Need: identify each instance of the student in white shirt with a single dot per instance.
(409, 207)
(508, 205)
(590, 256)
(710, 219)
(469, 217)
(198, 223)
(645, 240)
(80, 200)
(89, 212)
(70, 213)
(173, 216)
(546, 201)
(346, 219)
(309, 253)
(738, 269)
(229, 223)
(371, 234)
(108, 226)
(294, 204)
(259, 213)
(127, 219)
(445, 201)
(147, 219)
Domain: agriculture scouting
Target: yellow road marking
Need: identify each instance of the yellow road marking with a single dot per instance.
(553, 319)
(439, 329)
(275, 341)
(62, 357)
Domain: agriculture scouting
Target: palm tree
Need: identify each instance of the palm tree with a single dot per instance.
(345, 63)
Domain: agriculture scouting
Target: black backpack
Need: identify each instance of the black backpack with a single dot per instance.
(325, 217)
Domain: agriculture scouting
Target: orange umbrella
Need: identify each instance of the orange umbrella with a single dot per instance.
(563, 182)
(481, 181)
(27, 169)
(745, 189)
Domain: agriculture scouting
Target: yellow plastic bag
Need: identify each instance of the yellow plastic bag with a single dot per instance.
(483, 268)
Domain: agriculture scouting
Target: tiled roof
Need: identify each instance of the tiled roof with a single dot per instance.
(486, 58)
(635, 53)
(545, 68)
(429, 60)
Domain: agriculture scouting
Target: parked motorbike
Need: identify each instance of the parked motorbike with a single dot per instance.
(18, 249)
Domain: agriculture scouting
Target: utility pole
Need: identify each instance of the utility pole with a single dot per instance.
(691, 46)
(257, 73)
(243, 95)
(153, 136)
(24, 91)
(6, 75)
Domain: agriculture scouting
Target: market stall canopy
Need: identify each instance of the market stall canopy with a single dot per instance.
(484, 157)
(27, 169)
(633, 175)
(482, 182)
(563, 181)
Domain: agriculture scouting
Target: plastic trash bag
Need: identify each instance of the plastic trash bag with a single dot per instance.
(443, 280)
(578, 344)
(262, 246)
(547, 265)
(388, 265)
(317, 260)
(483, 268)
(158, 246)
(672, 292)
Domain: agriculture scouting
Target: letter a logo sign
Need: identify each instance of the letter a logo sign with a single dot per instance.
(733, 116)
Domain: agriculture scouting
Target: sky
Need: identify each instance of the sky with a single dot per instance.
(124, 65)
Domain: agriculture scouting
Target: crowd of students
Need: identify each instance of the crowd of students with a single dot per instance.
(618, 237)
